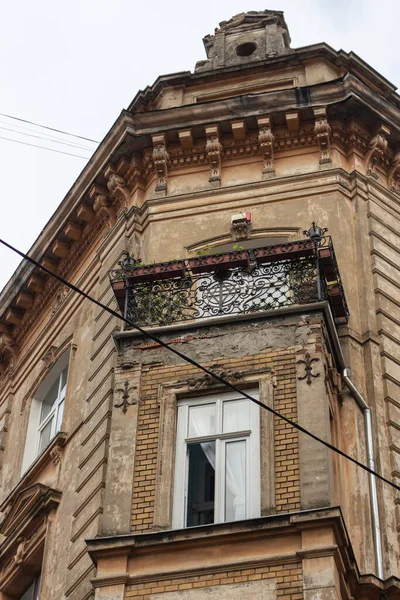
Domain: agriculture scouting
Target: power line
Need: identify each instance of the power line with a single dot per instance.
(43, 147)
(49, 128)
(201, 367)
(45, 137)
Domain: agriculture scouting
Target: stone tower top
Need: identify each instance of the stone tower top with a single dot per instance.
(245, 38)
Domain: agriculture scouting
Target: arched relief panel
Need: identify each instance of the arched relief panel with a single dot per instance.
(256, 238)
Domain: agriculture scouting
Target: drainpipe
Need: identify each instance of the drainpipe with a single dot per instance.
(371, 463)
(376, 528)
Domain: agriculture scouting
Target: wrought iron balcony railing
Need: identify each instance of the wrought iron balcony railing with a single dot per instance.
(238, 282)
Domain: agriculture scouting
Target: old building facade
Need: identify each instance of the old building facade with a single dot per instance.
(127, 472)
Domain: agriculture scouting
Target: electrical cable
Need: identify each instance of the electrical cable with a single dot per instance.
(43, 147)
(46, 138)
(81, 137)
(189, 360)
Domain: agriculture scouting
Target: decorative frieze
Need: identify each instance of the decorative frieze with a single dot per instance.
(266, 143)
(322, 131)
(213, 152)
(160, 161)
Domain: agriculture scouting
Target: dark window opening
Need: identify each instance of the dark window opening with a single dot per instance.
(201, 484)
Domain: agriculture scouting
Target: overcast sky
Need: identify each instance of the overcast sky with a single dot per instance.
(74, 66)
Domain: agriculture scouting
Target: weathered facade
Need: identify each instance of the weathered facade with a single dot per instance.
(128, 473)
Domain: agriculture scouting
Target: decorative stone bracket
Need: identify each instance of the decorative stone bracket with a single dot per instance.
(266, 141)
(160, 160)
(117, 185)
(394, 174)
(8, 349)
(213, 151)
(322, 131)
(103, 205)
(376, 150)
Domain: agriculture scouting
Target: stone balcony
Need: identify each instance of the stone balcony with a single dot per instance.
(232, 283)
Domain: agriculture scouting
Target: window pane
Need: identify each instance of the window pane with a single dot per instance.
(60, 416)
(201, 484)
(236, 416)
(64, 378)
(45, 435)
(235, 480)
(49, 400)
(201, 420)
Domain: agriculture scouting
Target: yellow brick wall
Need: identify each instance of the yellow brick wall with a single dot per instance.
(288, 577)
(286, 440)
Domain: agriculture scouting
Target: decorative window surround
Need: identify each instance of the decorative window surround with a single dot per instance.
(24, 527)
(43, 427)
(169, 395)
(217, 461)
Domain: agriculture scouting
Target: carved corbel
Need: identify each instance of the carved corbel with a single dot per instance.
(213, 151)
(394, 173)
(322, 131)
(376, 150)
(8, 348)
(160, 161)
(103, 205)
(116, 185)
(134, 172)
(266, 142)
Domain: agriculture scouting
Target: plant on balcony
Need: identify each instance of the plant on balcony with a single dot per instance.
(158, 302)
(205, 262)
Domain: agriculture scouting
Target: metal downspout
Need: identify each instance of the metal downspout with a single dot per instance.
(368, 435)
(371, 463)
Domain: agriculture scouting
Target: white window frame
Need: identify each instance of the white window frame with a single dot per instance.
(35, 425)
(56, 412)
(252, 438)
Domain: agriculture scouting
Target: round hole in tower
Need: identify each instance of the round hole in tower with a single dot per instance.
(246, 49)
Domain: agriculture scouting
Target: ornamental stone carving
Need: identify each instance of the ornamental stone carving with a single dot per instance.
(322, 131)
(213, 151)
(266, 142)
(103, 205)
(7, 349)
(394, 173)
(160, 161)
(117, 185)
(376, 150)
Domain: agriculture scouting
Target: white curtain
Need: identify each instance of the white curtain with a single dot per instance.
(200, 427)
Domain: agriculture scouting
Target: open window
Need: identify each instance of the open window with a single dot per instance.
(217, 463)
(47, 408)
(32, 593)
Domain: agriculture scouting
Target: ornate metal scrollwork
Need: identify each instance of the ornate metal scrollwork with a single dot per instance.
(223, 292)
